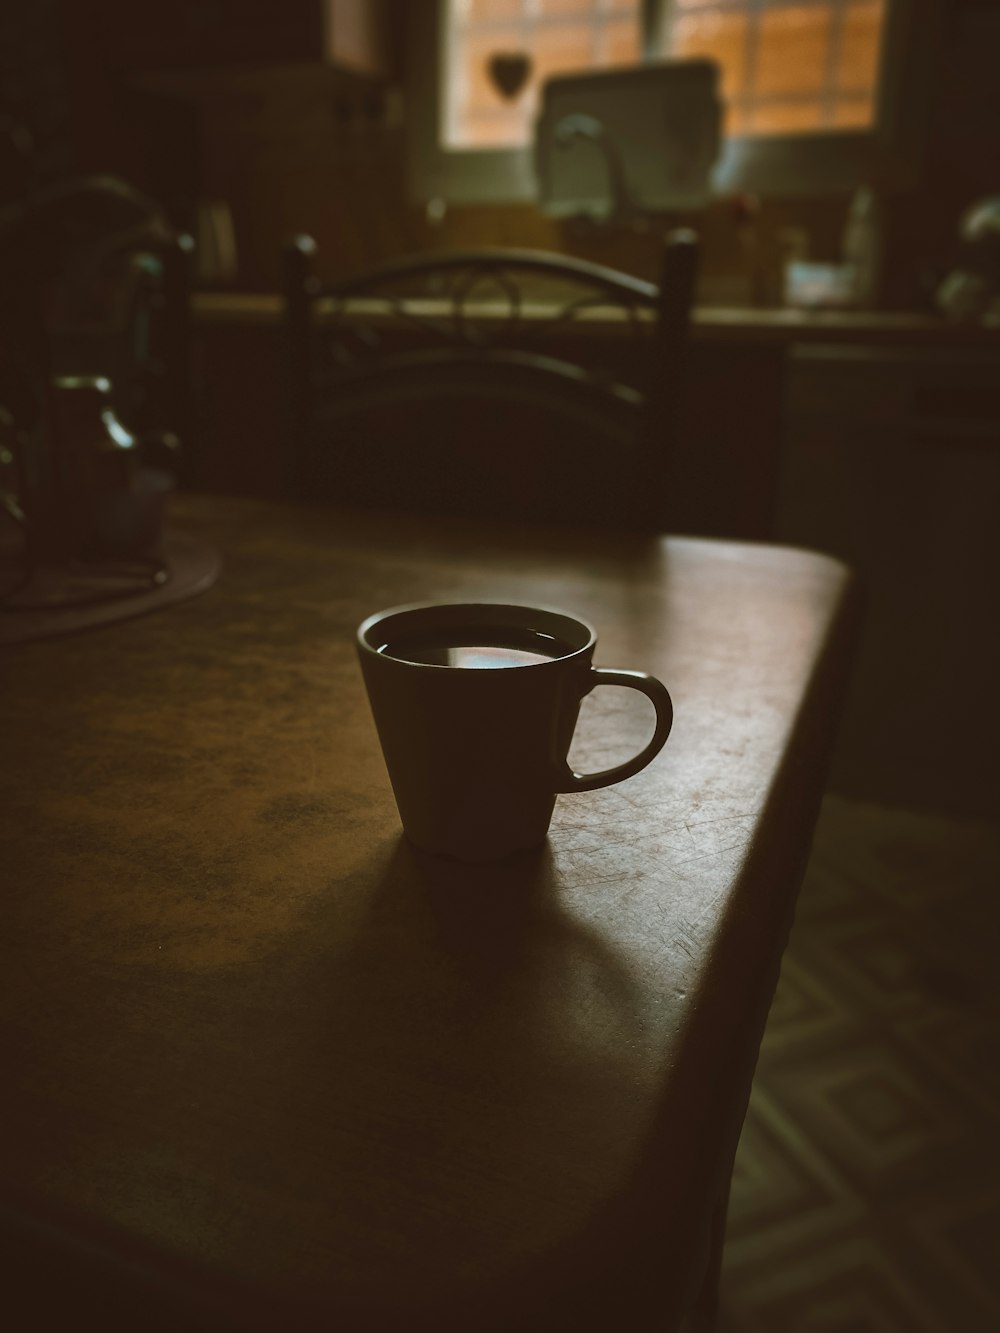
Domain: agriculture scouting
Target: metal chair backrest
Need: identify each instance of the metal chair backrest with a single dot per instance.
(499, 382)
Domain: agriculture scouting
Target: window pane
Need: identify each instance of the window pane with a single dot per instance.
(477, 90)
(478, 11)
(559, 36)
(560, 47)
(723, 37)
(620, 42)
(545, 8)
(486, 131)
(475, 101)
(853, 112)
(785, 117)
(786, 65)
(791, 50)
(860, 41)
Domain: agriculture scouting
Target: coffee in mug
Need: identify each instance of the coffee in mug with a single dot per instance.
(475, 705)
(477, 647)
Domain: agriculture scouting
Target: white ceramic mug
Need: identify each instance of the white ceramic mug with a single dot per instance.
(475, 706)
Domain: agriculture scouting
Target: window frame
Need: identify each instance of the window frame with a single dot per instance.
(793, 164)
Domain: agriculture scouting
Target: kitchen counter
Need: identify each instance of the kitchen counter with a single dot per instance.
(710, 323)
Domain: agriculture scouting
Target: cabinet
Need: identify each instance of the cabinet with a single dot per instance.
(891, 460)
(220, 34)
(247, 120)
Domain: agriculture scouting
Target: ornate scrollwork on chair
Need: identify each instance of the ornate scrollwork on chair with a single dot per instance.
(508, 383)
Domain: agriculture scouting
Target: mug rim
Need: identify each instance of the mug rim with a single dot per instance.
(415, 608)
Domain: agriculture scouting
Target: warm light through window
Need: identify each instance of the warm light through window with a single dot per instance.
(787, 66)
(552, 36)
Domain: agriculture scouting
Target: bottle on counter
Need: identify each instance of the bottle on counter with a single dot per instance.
(862, 247)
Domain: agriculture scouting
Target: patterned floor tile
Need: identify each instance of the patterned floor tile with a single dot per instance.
(959, 1237)
(805, 1012)
(866, 1192)
(784, 1192)
(847, 1287)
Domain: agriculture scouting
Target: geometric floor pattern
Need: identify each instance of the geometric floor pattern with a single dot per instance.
(866, 1193)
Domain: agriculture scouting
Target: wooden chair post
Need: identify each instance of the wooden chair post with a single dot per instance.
(669, 349)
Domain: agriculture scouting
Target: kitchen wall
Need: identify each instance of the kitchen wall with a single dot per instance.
(200, 102)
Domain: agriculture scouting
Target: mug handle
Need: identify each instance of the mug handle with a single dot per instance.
(657, 693)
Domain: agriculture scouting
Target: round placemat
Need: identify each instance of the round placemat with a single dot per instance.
(192, 566)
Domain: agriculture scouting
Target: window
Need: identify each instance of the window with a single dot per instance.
(556, 36)
(803, 81)
(805, 66)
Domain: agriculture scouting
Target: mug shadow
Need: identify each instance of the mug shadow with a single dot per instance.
(493, 926)
(463, 1059)
(464, 1034)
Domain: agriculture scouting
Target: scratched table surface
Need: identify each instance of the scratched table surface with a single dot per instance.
(265, 1065)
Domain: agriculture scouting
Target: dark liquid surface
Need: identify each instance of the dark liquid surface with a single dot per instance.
(476, 647)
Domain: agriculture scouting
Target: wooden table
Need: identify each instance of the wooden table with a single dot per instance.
(265, 1066)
